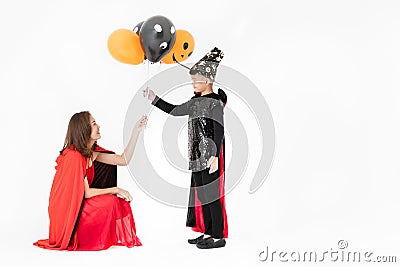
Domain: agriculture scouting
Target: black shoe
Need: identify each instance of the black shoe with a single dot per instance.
(196, 240)
(210, 243)
(203, 240)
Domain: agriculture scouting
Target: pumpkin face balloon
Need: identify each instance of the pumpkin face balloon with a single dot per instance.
(182, 49)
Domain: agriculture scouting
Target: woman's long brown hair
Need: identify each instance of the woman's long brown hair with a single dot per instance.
(78, 134)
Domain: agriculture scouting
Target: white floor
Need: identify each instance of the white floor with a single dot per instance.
(275, 220)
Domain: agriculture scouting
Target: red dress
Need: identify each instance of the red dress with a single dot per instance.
(85, 224)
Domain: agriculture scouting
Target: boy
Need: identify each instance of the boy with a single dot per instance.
(206, 211)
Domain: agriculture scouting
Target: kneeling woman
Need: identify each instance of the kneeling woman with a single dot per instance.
(87, 210)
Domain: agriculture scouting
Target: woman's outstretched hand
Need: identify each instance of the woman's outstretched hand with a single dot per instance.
(149, 94)
(142, 123)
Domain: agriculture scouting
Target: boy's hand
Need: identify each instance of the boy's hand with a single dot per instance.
(149, 94)
(213, 164)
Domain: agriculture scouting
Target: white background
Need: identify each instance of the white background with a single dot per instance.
(329, 71)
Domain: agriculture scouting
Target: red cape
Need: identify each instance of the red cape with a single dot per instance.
(66, 198)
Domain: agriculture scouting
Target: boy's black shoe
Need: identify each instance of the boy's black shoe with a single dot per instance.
(196, 240)
(210, 243)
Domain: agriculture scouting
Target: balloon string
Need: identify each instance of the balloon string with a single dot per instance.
(182, 64)
(159, 66)
(148, 73)
(146, 98)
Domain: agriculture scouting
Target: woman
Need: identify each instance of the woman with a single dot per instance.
(87, 210)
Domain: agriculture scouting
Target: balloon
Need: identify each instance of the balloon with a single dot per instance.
(182, 49)
(124, 46)
(157, 36)
(137, 28)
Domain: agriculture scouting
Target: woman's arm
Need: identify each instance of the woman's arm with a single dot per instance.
(92, 192)
(126, 156)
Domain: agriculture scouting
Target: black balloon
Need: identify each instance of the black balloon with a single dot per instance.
(137, 28)
(157, 37)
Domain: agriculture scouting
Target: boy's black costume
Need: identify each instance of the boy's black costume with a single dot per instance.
(206, 211)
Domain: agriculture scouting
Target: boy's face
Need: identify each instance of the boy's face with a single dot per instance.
(200, 83)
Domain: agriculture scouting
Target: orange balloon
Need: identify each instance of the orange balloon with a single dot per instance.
(182, 49)
(124, 46)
